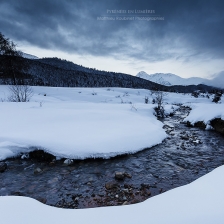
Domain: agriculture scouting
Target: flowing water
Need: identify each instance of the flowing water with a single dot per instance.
(187, 154)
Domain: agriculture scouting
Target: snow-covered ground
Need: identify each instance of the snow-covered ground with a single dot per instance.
(83, 122)
(205, 112)
(89, 122)
(78, 130)
(202, 201)
(79, 123)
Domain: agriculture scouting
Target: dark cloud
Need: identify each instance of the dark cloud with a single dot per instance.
(191, 29)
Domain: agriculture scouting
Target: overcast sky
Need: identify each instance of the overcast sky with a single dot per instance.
(187, 40)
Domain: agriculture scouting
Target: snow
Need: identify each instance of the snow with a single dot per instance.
(78, 123)
(84, 122)
(222, 99)
(169, 79)
(80, 130)
(181, 98)
(104, 122)
(205, 112)
(29, 56)
(169, 108)
(202, 201)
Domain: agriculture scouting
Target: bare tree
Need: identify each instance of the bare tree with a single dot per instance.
(159, 97)
(12, 64)
(20, 93)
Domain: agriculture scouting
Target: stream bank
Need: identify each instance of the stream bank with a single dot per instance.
(185, 155)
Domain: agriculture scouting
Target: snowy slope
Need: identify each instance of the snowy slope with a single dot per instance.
(77, 130)
(202, 201)
(29, 56)
(169, 79)
(83, 122)
(210, 112)
(78, 123)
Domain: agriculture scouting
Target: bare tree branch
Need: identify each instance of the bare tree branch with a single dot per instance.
(20, 93)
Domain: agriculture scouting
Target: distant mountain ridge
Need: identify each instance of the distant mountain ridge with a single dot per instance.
(169, 79)
(56, 72)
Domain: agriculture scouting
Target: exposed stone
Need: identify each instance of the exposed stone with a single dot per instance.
(127, 186)
(38, 170)
(68, 162)
(17, 193)
(3, 167)
(111, 185)
(184, 137)
(196, 141)
(42, 200)
(25, 156)
(40, 155)
(200, 124)
(125, 203)
(218, 125)
(127, 175)
(52, 163)
(125, 190)
(124, 198)
(119, 175)
(189, 124)
(143, 185)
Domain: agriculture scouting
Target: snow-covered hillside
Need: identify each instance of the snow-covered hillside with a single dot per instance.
(169, 79)
(29, 56)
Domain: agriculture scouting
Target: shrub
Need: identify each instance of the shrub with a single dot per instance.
(20, 93)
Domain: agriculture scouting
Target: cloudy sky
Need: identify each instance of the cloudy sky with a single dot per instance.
(170, 36)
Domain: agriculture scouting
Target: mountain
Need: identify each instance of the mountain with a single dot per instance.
(169, 79)
(61, 73)
(68, 65)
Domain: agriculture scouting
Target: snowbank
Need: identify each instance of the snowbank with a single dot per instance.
(83, 122)
(205, 112)
(77, 130)
(202, 201)
(169, 108)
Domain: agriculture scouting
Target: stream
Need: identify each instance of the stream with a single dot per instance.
(187, 154)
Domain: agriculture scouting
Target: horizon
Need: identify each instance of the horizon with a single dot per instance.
(126, 37)
(168, 73)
